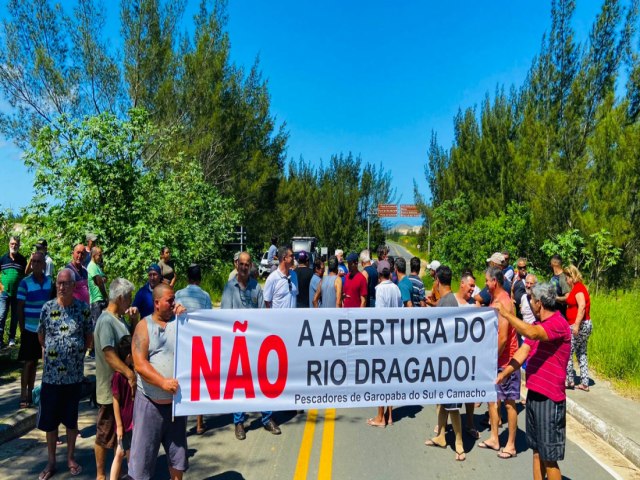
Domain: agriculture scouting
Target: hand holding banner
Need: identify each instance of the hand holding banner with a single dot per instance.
(255, 360)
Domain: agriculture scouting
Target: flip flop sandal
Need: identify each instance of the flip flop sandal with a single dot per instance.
(504, 455)
(46, 474)
(431, 443)
(75, 470)
(460, 456)
(487, 446)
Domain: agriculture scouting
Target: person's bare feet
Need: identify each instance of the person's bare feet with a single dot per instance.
(374, 422)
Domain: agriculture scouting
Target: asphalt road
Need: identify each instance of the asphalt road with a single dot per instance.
(316, 445)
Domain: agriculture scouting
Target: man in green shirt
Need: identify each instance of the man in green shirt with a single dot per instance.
(97, 290)
(12, 268)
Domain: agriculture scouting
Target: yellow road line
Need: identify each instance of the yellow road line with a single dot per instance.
(326, 452)
(302, 466)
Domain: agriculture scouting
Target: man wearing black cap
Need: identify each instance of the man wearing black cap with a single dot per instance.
(144, 297)
(355, 285)
(304, 274)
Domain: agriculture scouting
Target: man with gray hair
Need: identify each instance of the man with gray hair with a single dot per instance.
(110, 328)
(546, 349)
(525, 300)
(64, 333)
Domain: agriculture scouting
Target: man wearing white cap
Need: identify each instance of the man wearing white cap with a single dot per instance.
(434, 296)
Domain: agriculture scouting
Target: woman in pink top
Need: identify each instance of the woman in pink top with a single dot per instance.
(578, 316)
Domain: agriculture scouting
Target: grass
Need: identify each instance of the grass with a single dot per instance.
(614, 346)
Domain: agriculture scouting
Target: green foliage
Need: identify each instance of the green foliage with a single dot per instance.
(55, 61)
(570, 245)
(561, 146)
(615, 341)
(462, 242)
(96, 171)
(331, 202)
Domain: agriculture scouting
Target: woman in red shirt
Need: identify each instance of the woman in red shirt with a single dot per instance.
(578, 316)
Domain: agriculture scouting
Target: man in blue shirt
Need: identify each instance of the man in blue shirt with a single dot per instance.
(404, 284)
(33, 292)
(144, 297)
(244, 291)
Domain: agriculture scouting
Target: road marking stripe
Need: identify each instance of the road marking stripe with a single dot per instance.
(326, 452)
(302, 466)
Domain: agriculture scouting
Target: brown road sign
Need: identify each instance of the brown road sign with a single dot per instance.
(409, 211)
(387, 210)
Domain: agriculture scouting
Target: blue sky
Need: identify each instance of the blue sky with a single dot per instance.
(369, 77)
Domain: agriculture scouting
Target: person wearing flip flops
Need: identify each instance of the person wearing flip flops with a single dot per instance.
(110, 328)
(546, 349)
(387, 296)
(508, 390)
(451, 410)
(65, 333)
(33, 292)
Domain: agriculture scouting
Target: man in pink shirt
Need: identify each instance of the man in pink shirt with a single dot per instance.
(546, 349)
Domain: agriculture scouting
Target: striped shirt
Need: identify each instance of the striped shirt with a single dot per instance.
(192, 297)
(34, 295)
(11, 272)
(547, 361)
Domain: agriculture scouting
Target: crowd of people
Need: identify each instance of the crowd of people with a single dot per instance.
(132, 337)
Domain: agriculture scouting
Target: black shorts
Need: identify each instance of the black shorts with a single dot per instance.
(59, 404)
(546, 426)
(30, 348)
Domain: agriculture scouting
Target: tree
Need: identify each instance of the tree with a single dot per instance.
(95, 171)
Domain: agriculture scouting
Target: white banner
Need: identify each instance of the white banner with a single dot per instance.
(254, 360)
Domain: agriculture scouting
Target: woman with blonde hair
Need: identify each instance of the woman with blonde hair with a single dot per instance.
(578, 316)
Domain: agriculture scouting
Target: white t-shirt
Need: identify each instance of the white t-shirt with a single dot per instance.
(281, 290)
(388, 295)
(525, 310)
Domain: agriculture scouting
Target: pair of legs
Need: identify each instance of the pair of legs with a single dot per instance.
(544, 469)
(59, 404)
(493, 442)
(27, 382)
(52, 438)
(122, 451)
(383, 418)
(452, 411)
(8, 302)
(579, 348)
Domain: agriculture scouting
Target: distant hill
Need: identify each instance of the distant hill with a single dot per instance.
(404, 229)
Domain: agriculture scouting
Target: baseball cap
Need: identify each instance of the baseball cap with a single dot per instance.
(154, 267)
(41, 243)
(352, 257)
(302, 256)
(433, 265)
(496, 258)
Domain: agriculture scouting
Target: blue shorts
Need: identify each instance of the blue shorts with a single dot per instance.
(509, 389)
